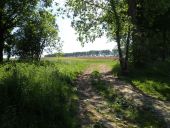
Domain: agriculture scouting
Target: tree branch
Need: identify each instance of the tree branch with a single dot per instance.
(97, 5)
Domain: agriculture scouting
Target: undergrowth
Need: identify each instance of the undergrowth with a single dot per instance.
(38, 95)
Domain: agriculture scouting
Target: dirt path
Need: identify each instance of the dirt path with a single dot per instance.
(94, 109)
(162, 108)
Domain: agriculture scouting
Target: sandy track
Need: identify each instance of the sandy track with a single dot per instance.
(93, 108)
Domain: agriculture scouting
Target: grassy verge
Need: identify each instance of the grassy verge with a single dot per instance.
(143, 117)
(153, 80)
(39, 95)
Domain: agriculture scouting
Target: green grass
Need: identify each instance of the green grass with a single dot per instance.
(82, 61)
(41, 94)
(153, 79)
(143, 117)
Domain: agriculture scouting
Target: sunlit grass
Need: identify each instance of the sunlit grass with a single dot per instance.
(38, 95)
(83, 62)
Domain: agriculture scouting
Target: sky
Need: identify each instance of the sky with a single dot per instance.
(69, 38)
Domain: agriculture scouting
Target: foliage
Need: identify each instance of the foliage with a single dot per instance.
(38, 32)
(13, 13)
(92, 19)
(151, 31)
(140, 28)
(37, 95)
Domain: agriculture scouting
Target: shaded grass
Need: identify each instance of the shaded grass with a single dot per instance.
(153, 79)
(124, 109)
(39, 95)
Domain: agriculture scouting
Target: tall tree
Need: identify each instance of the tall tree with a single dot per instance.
(14, 12)
(92, 19)
(38, 32)
(150, 19)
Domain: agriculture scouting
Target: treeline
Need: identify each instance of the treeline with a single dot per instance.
(88, 53)
(140, 28)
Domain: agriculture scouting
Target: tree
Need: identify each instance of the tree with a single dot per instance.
(8, 46)
(13, 13)
(92, 19)
(151, 26)
(38, 32)
(59, 47)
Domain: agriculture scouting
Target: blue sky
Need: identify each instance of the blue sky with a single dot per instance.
(70, 43)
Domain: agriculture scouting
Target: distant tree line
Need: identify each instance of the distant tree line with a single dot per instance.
(88, 53)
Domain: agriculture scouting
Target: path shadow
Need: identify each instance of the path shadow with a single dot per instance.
(134, 106)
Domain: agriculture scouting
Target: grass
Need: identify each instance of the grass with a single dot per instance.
(153, 79)
(41, 95)
(142, 117)
(83, 61)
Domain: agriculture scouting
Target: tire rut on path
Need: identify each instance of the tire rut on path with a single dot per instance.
(93, 108)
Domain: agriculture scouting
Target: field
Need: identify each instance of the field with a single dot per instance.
(44, 94)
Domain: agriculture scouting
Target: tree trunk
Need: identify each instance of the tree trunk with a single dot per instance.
(118, 24)
(127, 52)
(1, 54)
(8, 55)
(132, 9)
(164, 49)
(120, 53)
(1, 47)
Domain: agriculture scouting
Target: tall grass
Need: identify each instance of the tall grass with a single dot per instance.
(38, 95)
(41, 95)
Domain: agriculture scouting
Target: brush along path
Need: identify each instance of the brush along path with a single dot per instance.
(94, 110)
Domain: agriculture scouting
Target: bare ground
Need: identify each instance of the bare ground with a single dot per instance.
(94, 110)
